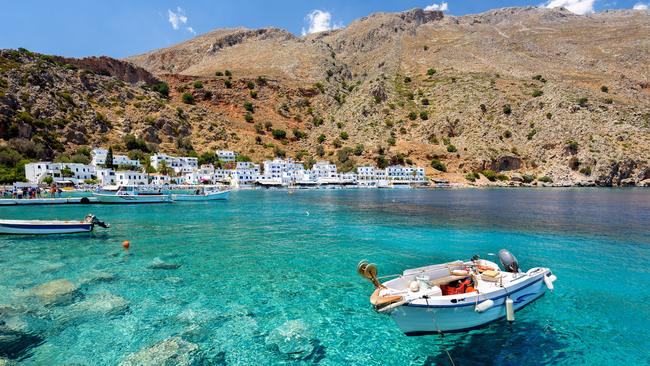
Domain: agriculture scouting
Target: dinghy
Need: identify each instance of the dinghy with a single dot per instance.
(457, 296)
(202, 195)
(41, 227)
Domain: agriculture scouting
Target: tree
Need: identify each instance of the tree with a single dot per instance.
(198, 85)
(109, 159)
(163, 168)
(249, 107)
(279, 134)
(48, 180)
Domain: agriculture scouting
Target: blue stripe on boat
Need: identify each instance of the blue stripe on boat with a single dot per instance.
(28, 226)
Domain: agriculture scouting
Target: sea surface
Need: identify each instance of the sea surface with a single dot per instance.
(269, 277)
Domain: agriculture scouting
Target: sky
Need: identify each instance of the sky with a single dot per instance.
(121, 28)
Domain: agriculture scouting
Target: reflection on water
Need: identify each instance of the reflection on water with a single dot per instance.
(255, 280)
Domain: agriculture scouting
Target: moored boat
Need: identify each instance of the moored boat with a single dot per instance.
(202, 195)
(41, 227)
(457, 296)
(131, 194)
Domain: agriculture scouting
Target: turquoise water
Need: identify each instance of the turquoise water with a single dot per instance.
(269, 278)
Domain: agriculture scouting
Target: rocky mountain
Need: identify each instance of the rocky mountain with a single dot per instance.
(513, 93)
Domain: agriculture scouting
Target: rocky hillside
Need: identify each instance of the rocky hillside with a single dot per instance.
(523, 92)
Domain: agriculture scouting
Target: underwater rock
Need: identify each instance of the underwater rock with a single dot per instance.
(104, 303)
(160, 264)
(172, 351)
(14, 343)
(98, 277)
(6, 362)
(292, 339)
(57, 292)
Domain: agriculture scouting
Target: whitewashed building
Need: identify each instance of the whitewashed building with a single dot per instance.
(180, 165)
(226, 156)
(105, 177)
(244, 174)
(99, 159)
(130, 177)
(325, 173)
(159, 179)
(36, 172)
(407, 174)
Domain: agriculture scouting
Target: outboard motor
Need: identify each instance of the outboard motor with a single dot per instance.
(90, 218)
(508, 261)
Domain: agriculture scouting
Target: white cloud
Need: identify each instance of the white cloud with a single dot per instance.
(319, 21)
(574, 6)
(640, 6)
(191, 30)
(177, 18)
(441, 7)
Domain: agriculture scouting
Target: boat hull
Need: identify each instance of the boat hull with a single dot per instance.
(201, 197)
(43, 228)
(421, 318)
(131, 199)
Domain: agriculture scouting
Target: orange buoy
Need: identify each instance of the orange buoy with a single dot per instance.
(126, 244)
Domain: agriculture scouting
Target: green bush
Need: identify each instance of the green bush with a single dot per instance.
(228, 84)
(249, 107)
(507, 134)
(528, 178)
(249, 117)
(502, 177)
(161, 88)
(537, 93)
(451, 148)
(572, 146)
(531, 134)
(320, 151)
(228, 73)
(583, 102)
(407, 79)
(438, 165)
(425, 101)
(470, 177)
(381, 161)
(574, 163)
(604, 89)
(430, 72)
(545, 179)
(253, 94)
(218, 73)
(424, 115)
(321, 138)
(490, 174)
(391, 141)
(549, 115)
(413, 116)
(507, 110)
(299, 134)
(198, 85)
(279, 134)
(586, 170)
(188, 98)
(337, 143)
(250, 85)
(344, 135)
(358, 150)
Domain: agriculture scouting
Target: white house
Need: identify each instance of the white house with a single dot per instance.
(245, 173)
(325, 173)
(159, 179)
(226, 156)
(180, 165)
(99, 159)
(36, 172)
(105, 177)
(129, 177)
(405, 174)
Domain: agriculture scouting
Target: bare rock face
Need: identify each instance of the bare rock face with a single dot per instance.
(169, 352)
(505, 163)
(108, 66)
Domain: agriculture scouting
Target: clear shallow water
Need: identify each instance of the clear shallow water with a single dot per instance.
(269, 278)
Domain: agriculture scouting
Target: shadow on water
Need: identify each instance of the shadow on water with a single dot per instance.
(520, 343)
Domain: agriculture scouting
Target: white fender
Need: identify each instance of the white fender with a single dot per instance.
(510, 311)
(392, 306)
(485, 305)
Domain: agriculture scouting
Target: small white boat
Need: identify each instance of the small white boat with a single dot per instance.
(202, 195)
(131, 194)
(457, 296)
(40, 227)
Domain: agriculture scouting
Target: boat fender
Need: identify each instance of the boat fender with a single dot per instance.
(510, 310)
(414, 286)
(460, 272)
(485, 305)
(548, 280)
(392, 306)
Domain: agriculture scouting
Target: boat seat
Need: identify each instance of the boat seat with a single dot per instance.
(380, 301)
(445, 280)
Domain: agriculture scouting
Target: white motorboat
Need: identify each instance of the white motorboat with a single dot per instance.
(457, 296)
(40, 227)
(202, 195)
(131, 194)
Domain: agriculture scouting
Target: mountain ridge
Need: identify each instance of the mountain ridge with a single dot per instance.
(519, 90)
